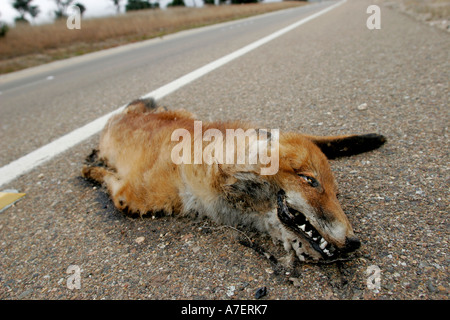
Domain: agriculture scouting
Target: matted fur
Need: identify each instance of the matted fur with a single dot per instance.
(141, 178)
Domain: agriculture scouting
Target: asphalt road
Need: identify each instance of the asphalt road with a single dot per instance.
(312, 79)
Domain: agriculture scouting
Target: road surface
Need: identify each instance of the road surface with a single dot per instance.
(330, 75)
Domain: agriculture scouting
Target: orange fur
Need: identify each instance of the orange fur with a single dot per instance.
(141, 178)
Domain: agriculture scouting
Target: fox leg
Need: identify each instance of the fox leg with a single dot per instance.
(116, 187)
(94, 173)
(103, 176)
(142, 106)
(347, 145)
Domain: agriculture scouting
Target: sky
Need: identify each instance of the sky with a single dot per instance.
(94, 8)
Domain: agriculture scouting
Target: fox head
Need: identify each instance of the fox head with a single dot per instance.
(301, 198)
(307, 204)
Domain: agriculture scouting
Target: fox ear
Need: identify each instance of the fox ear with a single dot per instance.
(347, 145)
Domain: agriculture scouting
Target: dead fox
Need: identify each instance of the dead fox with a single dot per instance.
(296, 205)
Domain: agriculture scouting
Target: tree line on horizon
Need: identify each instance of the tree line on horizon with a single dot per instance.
(27, 10)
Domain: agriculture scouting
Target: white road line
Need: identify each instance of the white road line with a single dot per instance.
(45, 153)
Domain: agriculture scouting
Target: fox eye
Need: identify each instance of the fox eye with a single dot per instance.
(311, 181)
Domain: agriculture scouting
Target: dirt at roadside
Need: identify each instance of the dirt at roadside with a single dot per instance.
(436, 13)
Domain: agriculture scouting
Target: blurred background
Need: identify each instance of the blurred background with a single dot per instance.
(46, 9)
(33, 32)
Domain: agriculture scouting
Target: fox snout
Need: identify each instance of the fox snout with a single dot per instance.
(340, 233)
(323, 236)
(351, 244)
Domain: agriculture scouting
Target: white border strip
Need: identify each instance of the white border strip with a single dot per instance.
(45, 153)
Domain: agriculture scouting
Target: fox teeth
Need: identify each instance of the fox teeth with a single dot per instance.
(323, 245)
(302, 227)
(309, 233)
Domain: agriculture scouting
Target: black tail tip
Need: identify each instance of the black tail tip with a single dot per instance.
(375, 139)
